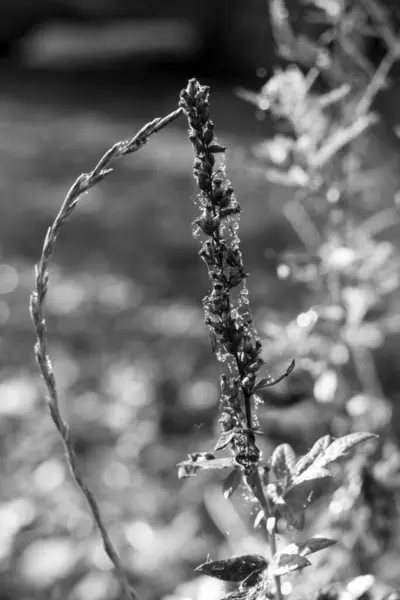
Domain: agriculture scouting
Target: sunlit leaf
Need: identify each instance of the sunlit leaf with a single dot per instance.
(205, 461)
(283, 461)
(292, 557)
(313, 472)
(315, 545)
(340, 447)
(305, 461)
(233, 569)
(284, 563)
(218, 463)
(224, 439)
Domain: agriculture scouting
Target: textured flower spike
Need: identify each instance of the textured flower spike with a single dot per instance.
(227, 313)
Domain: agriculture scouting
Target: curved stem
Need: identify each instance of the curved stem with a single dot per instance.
(37, 310)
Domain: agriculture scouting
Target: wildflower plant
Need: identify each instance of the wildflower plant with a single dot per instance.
(282, 485)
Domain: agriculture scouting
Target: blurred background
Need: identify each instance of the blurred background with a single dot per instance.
(137, 379)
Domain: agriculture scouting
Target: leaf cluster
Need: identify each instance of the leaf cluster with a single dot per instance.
(299, 482)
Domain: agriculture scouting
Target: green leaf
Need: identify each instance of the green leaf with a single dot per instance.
(233, 569)
(312, 473)
(293, 512)
(286, 563)
(202, 460)
(224, 439)
(231, 483)
(340, 447)
(315, 545)
(305, 461)
(307, 490)
(292, 557)
(283, 461)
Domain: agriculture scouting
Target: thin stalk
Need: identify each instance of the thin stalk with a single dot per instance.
(37, 310)
(254, 483)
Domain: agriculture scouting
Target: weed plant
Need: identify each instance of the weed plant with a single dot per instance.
(349, 273)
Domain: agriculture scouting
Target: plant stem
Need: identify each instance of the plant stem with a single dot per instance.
(37, 310)
(255, 485)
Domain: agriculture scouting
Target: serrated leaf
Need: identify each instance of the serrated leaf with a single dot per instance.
(305, 461)
(283, 461)
(286, 563)
(224, 439)
(340, 447)
(231, 483)
(315, 545)
(294, 513)
(312, 473)
(233, 569)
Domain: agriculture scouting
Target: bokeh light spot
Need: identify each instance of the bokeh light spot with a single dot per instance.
(4, 312)
(8, 279)
(49, 475)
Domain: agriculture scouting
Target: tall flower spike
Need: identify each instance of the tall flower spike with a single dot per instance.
(226, 306)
